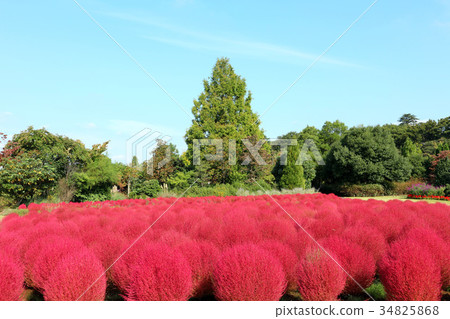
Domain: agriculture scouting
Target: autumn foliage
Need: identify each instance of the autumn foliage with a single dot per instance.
(226, 248)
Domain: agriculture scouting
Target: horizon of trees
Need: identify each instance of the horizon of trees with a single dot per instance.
(38, 164)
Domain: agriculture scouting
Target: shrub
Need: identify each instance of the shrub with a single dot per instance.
(356, 261)
(368, 237)
(201, 256)
(247, 272)
(409, 273)
(162, 274)
(425, 190)
(78, 276)
(401, 188)
(368, 190)
(50, 255)
(11, 279)
(148, 188)
(287, 257)
(437, 247)
(319, 277)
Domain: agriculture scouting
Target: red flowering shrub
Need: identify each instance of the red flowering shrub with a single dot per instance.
(409, 273)
(11, 278)
(77, 276)
(247, 272)
(319, 277)
(162, 274)
(356, 261)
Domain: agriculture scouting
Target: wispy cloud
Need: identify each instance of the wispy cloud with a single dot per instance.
(128, 128)
(195, 40)
(5, 115)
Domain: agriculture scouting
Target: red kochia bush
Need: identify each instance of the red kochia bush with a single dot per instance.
(409, 273)
(161, 274)
(78, 276)
(438, 248)
(50, 255)
(287, 257)
(319, 277)
(247, 272)
(356, 261)
(201, 256)
(11, 279)
(368, 237)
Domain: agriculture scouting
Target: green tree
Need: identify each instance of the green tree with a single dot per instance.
(24, 178)
(223, 111)
(165, 162)
(408, 119)
(331, 132)
(94, 182)
(442, 172)
(292, 173)
(366, 155)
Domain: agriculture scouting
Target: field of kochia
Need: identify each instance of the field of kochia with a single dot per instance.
(319, 247)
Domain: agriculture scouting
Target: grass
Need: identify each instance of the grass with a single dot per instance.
(402, 198)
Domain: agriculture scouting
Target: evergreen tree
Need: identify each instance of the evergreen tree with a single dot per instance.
(292, 173)
(223, 111)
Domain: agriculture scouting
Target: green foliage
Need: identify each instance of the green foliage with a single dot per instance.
(442, 172)
(165, 161)
(366, 155)
(376, 290)
(95, 181)
(146, 188)
(331, 133)
(408, 119)
(367, 190)
(23, 178)
(181, 179)
(223, 111)
(422, 189)
(292, 173)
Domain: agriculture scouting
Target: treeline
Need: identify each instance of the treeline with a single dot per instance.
(233, 158)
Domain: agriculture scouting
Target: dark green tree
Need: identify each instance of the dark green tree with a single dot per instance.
(223, 111)
(366, 155)
(292, 173)
(408, 119)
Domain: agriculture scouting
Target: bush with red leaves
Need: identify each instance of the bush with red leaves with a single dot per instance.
(50, 254)
(368, 237)
(356, 261)
(78, 276)
(319, 277)
(247, 272)
(161, 274)
(201, 256)
(437, 247)
(409, 273)
(11, 279)
(287, 257)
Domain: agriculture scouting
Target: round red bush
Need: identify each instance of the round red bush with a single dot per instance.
(287, 257)
(162, 274)
(201, 256)
(409, 272)
(319, 277)
(356, 261)
(78, 276)
(247, 272)
(11, 279)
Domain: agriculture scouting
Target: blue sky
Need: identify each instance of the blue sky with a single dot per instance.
(60, 71)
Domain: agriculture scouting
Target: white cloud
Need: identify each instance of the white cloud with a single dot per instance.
(5, 115)
(195, 40)
(130, 128)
